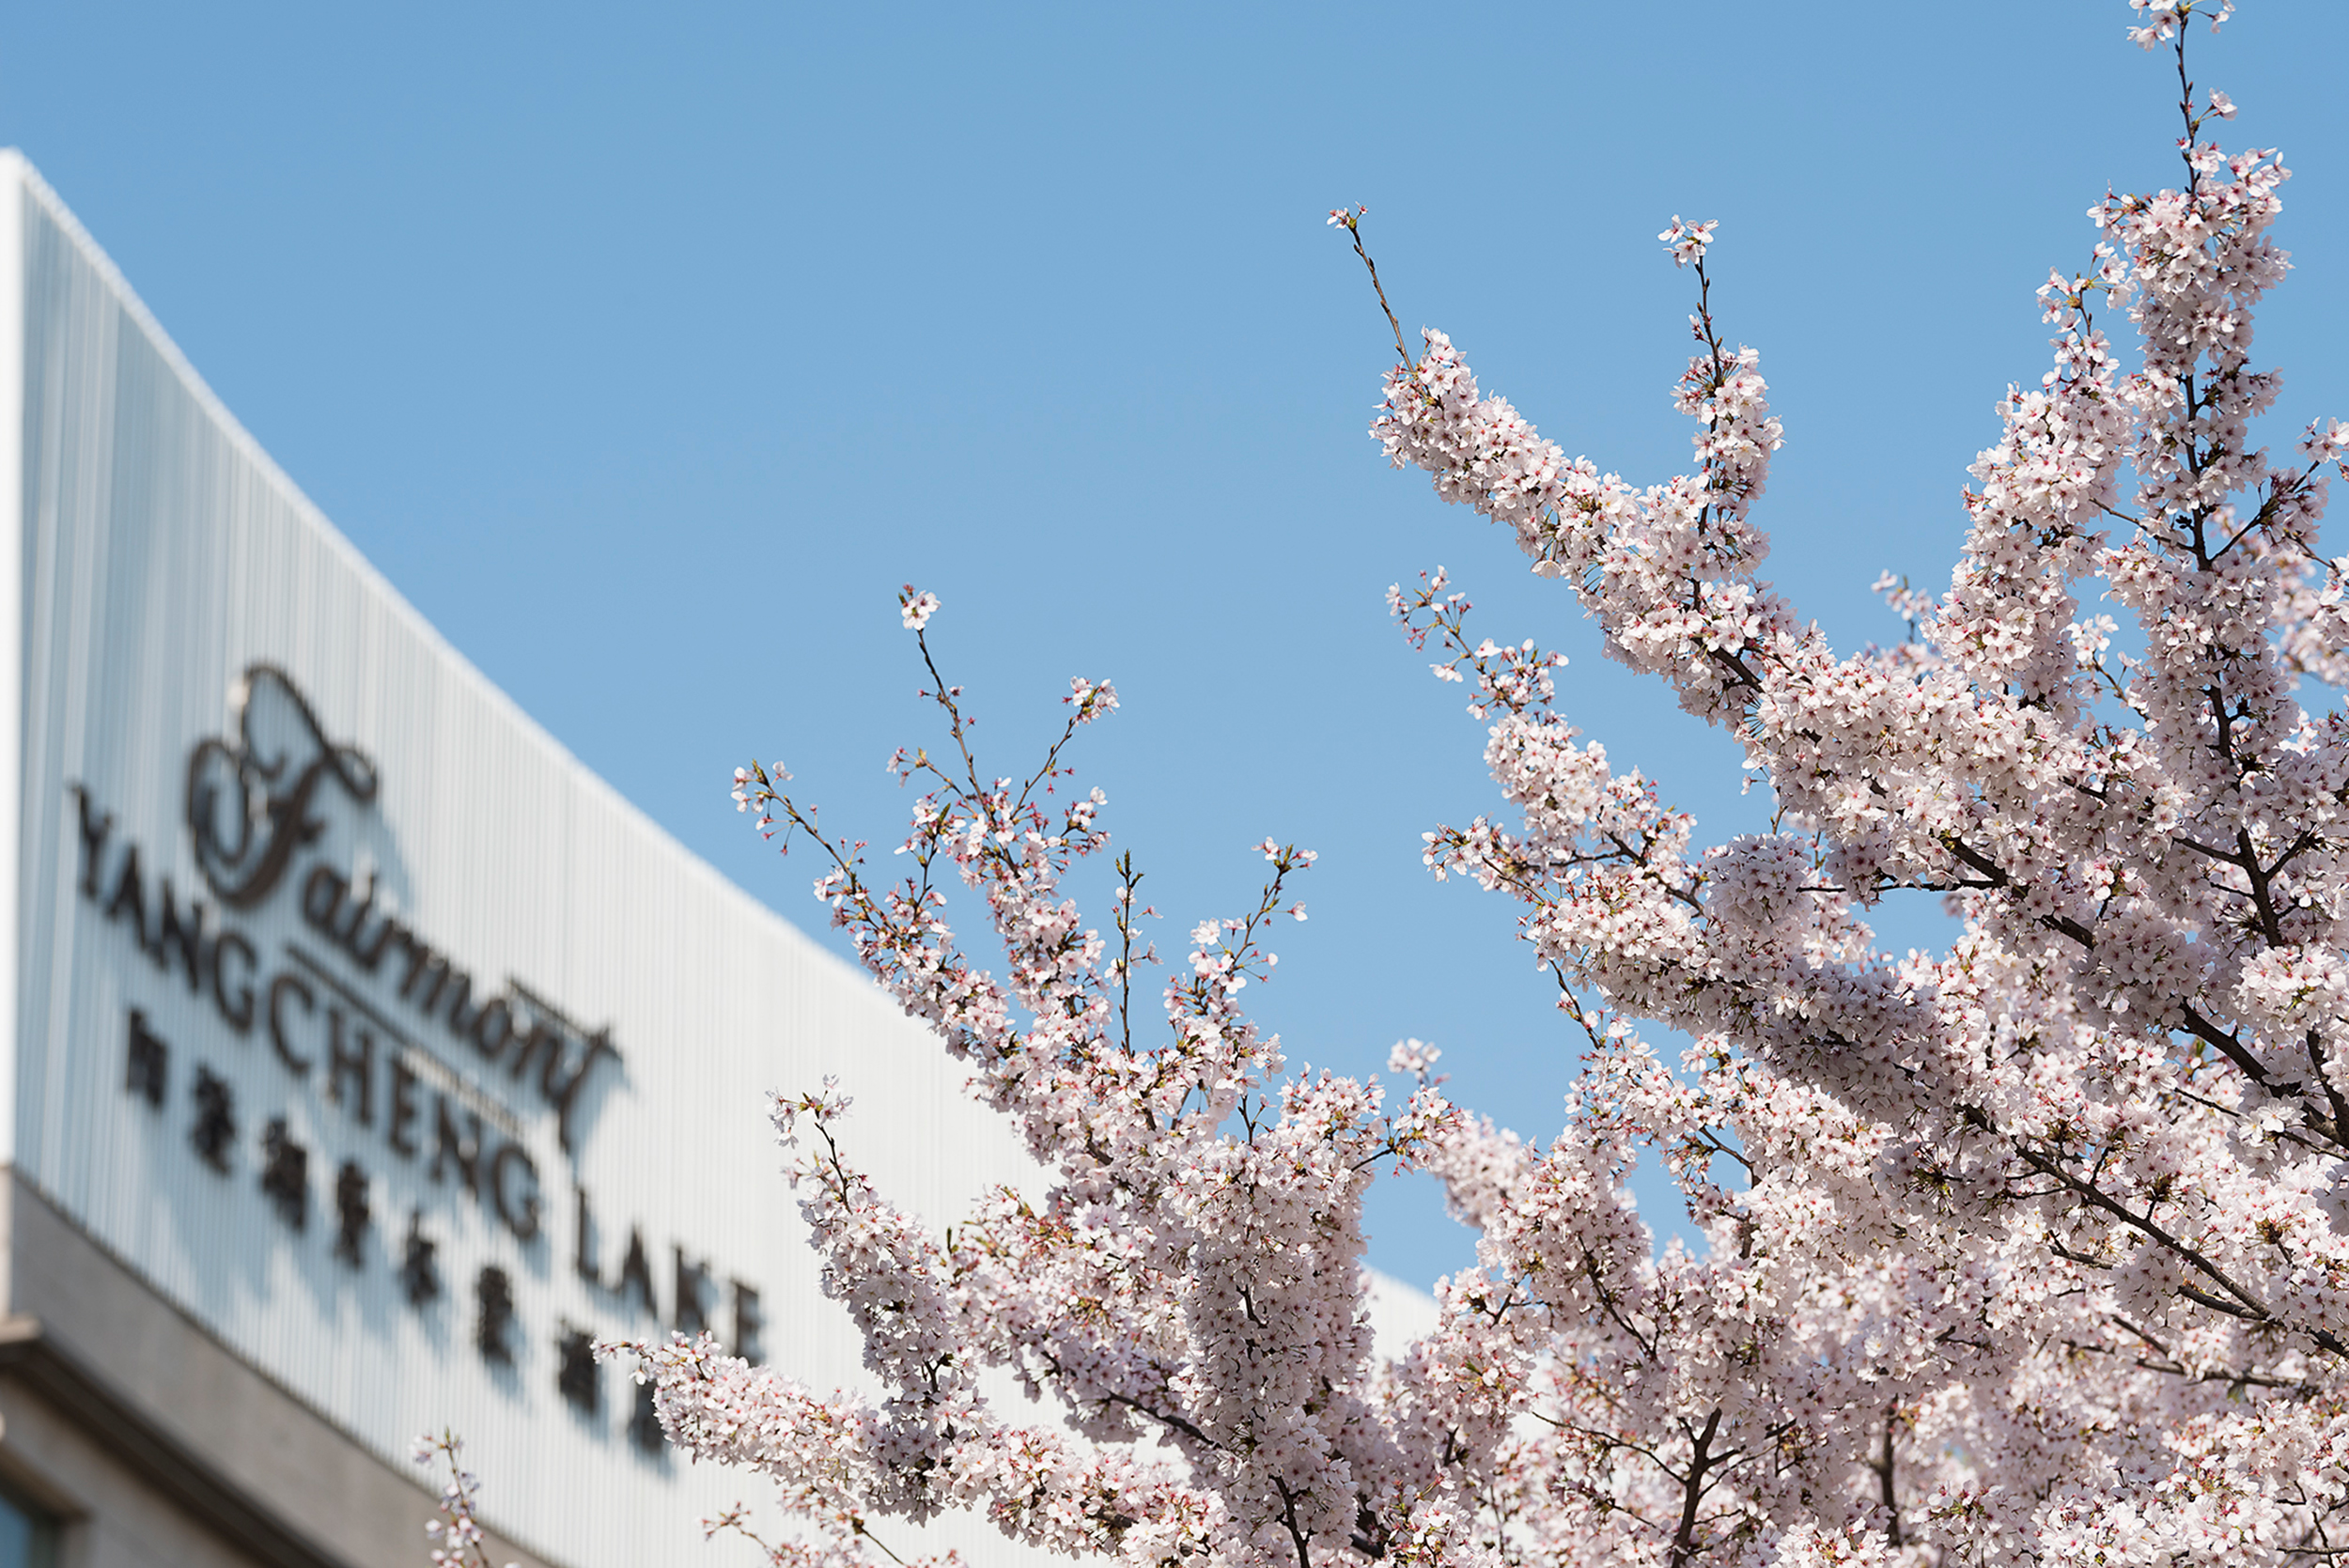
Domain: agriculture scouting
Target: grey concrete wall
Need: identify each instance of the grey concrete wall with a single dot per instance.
(113, 1518)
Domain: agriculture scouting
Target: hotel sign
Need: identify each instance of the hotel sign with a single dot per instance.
(448, 1079)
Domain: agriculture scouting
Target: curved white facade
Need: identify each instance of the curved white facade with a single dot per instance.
(319, 944)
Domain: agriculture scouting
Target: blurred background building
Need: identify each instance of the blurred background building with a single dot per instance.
(370, 1057)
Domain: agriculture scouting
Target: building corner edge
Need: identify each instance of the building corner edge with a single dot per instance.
(16, 182)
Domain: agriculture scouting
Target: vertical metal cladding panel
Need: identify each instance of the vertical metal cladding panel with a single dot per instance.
(165, 558)
(11, 624)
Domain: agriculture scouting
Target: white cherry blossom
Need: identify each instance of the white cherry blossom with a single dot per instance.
(2031, 1251)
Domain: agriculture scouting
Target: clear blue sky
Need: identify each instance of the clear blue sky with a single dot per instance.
(648, 354)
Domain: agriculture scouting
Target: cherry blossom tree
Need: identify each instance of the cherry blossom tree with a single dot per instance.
(2032, 1251)
(459, 1540)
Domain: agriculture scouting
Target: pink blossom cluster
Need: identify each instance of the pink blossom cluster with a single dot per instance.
(2031, 1252)
(458, 1540)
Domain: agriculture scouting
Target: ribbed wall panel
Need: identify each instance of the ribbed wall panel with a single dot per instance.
(162, 555)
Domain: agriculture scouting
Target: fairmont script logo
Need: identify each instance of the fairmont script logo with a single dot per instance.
(249, 808)
(252, 807)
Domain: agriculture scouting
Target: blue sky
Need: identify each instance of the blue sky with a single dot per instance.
(647, 353)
